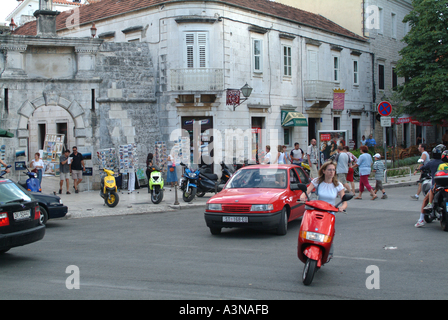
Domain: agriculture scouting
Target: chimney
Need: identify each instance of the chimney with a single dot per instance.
(46, 19)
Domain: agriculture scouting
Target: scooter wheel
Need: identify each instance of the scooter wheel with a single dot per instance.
(308, 271)
(112, 200)
(156, 197)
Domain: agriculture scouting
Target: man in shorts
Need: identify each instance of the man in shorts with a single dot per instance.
(65, 170)
(76, 168)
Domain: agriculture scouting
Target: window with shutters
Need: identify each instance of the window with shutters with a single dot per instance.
(313, 67)
(287, 61)
(196, 50)
(257, 55)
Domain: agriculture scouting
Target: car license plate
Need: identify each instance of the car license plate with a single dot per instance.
(235, 219)
(22, 215)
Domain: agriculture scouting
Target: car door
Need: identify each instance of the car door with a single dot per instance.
(296, 210)
(305, 180)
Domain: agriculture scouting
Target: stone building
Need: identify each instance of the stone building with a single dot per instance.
(380, 21)
(155, 66)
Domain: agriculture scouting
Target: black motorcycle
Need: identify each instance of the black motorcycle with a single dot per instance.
(440, 202)
(198, 182)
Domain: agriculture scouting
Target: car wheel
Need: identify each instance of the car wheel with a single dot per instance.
(43, 215)
(283, 223)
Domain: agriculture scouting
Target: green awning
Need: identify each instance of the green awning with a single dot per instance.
(6, 134)
(293, 119)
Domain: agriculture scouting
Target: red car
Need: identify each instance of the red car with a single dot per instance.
(258, 197)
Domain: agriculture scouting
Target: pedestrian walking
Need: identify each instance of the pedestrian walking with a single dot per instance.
(171, 175)
(378, 168)
(37, 166)
(287, 158)
(267, 157)
(343, 162)
(297, 154)
(365, 166)
(371, 143)
(351, 171)
(312, 154)
(76, 168)
(65, 171)
(425, 157)
(363, 141)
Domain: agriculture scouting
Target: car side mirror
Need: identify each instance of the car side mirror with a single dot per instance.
(299, 186)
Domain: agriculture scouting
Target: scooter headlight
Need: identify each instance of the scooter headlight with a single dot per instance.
(314, 236)
(192, 175)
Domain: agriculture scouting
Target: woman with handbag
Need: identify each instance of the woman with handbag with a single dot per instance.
(171, 175)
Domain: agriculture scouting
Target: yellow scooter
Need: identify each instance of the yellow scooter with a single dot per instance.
(109, 189)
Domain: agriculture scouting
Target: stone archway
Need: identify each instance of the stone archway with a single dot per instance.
(73, 107)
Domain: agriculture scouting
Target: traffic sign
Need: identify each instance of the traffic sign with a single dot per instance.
(384, 108)
(386, 121)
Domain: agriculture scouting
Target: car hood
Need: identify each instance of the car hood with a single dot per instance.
(247, 196)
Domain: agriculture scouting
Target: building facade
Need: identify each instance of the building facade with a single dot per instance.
(156, 67)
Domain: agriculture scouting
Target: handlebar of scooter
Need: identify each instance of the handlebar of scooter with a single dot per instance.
(3, 172)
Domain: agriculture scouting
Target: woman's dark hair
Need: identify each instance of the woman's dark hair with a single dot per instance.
(364, 149)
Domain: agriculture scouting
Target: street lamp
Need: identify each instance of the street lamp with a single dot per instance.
(12, 25)
(93, 30)
(234, 95)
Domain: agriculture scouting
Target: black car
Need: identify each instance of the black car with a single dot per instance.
(20, 217)
(50, 206)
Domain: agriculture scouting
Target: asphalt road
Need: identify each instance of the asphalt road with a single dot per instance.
(173, 256)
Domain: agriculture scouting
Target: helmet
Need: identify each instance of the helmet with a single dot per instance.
(444, 156)
(439, 149)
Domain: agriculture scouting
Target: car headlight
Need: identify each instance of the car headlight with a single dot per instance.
(192, 175)
(262, 207)
(314, 236)
(214, 206)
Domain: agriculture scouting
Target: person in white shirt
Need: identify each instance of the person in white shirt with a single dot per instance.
(327, 185)
(296, 154)
(312, 154)
(267, 157)
(38, 165)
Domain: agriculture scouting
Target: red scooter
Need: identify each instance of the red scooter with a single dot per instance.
(316, 235)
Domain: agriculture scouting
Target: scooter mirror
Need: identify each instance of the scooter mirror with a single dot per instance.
(347, 197)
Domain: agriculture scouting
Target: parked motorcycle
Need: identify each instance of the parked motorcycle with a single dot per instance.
(440, 202)
(316, 234)
(32, 183)
(109, 190)
(226, 172)
(198, 182)
(155, 184)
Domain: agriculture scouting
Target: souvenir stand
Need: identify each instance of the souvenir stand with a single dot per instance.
(128, 162)
(160, 155)
(53, 147)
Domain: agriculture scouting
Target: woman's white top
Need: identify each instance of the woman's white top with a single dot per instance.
(39, 163)
(327, 191)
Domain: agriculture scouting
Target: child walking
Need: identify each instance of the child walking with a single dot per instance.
(378, 168)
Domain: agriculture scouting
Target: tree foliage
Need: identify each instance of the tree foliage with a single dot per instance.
(424, 62)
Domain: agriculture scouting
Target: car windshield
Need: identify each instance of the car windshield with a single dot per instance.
(10, 192)
(258, 178)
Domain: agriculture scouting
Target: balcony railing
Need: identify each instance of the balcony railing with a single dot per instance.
(318, 90)
(197, 79)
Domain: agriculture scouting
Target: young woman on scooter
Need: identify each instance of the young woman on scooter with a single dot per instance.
(327, 185)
